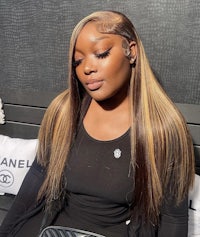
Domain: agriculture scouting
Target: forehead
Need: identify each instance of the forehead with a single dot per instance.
(90, 33)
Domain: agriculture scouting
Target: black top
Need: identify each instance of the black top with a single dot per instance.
(99, 185)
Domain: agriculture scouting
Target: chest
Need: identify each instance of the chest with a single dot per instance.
(100, 169)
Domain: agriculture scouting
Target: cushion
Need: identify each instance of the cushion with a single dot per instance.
(194, 209)
(16, 157)
(2, 115)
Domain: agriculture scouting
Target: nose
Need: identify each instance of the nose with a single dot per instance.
(89, 67)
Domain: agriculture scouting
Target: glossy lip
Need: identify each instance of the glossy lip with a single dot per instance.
(93, 85)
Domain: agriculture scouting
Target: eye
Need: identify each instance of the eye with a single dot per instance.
(104, 54)
(75, 63)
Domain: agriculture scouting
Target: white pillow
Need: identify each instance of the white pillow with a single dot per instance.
(16, 157)
(194, 211)
(2, 115)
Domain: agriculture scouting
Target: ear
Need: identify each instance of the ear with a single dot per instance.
(133, 49)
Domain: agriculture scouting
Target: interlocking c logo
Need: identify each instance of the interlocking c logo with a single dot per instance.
(6, 178)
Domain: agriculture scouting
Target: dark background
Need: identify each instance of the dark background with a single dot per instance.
(34, 42)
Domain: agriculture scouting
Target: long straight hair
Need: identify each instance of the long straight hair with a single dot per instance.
(161, 146)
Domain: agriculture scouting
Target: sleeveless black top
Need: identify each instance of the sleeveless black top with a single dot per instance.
(99, 184)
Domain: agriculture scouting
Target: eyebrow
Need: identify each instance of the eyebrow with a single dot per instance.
(96, 40)
(100, 38)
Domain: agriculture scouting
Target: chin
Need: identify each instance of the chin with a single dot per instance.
(102, 96)
(97, 96)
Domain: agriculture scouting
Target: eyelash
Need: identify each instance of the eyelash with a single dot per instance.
(76, 63)
(104, 54)
(100, 56)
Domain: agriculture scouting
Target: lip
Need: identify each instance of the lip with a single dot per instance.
(93, 85)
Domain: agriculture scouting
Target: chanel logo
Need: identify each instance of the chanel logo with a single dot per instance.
(117, 153)
(6, 178)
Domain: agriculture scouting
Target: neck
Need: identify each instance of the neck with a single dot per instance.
(108, 119)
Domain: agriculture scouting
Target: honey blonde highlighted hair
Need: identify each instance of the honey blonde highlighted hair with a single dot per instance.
(161, 147)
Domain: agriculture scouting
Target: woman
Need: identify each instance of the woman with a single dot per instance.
(115, 156)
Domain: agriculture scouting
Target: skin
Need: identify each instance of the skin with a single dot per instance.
(104, 70)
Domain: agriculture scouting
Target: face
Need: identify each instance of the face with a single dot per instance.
(101, 64)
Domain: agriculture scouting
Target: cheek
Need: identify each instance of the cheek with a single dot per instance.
(79, 74)
(117, 68)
